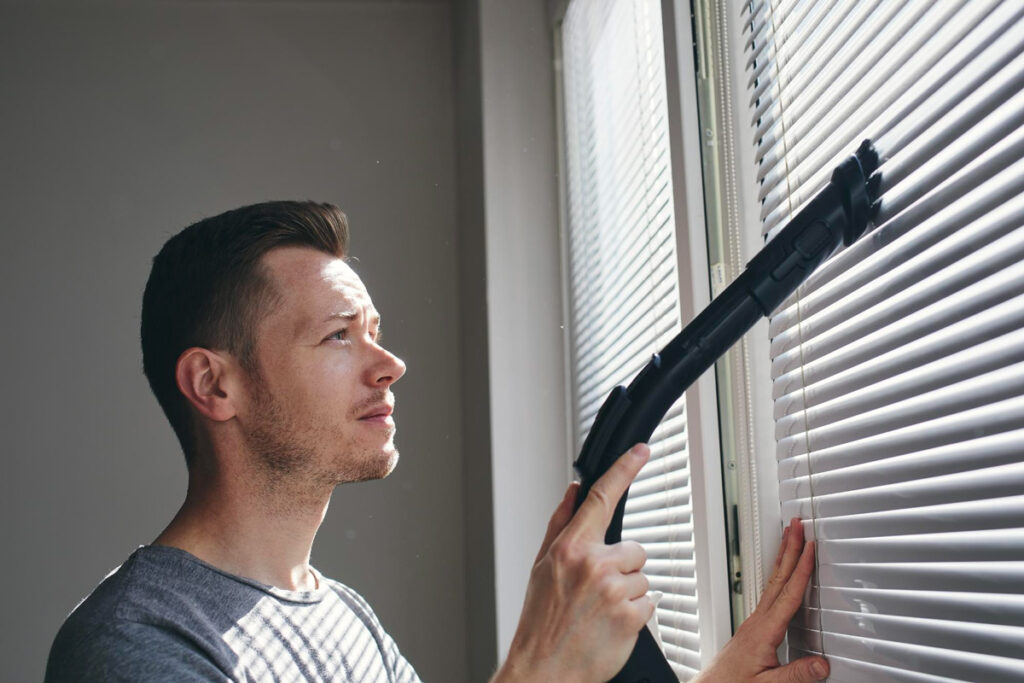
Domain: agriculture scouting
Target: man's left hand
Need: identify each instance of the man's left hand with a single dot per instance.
(751, 654)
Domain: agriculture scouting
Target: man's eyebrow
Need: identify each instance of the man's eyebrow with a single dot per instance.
(348, 316)
(342, 315)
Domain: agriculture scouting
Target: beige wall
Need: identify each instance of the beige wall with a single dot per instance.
(122, 123)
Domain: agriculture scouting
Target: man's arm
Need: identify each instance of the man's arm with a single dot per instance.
(587, 601)
(124, 651)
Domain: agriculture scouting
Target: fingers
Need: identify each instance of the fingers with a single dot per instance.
(789, 554)
(629, 556)
(803, 670)
(784, 591)
(789, 599)
(643, 607)
(560, 517)
(782, 549)
(595, 514)
(615, 570)
(635, 585)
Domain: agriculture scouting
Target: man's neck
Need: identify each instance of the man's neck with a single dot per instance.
(246, 525)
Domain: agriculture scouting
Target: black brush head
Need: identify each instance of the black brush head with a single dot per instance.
(870, 160)
(850, 178)
(867, 155)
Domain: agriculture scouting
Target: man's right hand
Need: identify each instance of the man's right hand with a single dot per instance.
(586, 601)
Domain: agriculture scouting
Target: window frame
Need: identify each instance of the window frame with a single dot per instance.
(715, 622)
(719, 42)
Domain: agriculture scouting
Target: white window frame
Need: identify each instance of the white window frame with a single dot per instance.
(716, 625)
(749, 413)
(710, 537)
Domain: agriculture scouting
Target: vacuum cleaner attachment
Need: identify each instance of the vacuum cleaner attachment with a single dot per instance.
(839, 213)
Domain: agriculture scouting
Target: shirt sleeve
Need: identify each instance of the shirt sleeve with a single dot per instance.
(125, 651)
(399, 668)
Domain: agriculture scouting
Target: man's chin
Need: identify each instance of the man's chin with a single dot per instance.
(377, 467)
(391, 462)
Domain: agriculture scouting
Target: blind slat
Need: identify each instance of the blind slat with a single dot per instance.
(985, 515)
(917, 658)
(887, 332)
(994, 359)
(998, 640)
(973, 485)
(836, 383)
(936, 407)
(834, 475)
(988, 545)
(968, 607)
(961, 397)
(978, 424)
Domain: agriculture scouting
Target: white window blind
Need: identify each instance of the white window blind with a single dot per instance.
(898, 368)
(623, 284)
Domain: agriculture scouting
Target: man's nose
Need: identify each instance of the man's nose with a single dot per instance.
(390, 370)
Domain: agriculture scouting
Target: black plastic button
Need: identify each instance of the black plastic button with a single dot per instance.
(812, 239)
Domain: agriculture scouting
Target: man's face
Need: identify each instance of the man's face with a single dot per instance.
(321, 403)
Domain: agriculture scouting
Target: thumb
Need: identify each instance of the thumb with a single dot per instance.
(803, 670)
(561, 517)
(595, 514)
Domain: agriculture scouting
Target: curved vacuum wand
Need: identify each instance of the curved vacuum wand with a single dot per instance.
(839, 213)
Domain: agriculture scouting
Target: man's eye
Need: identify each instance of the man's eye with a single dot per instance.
(340, 335)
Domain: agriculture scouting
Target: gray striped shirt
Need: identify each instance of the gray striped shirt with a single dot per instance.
(165, 615)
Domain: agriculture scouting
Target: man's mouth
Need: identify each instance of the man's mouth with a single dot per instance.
(378, 414)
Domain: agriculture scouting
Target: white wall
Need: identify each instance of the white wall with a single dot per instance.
(119, 125)
(530, 461)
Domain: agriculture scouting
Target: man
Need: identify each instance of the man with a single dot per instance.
(262, 347)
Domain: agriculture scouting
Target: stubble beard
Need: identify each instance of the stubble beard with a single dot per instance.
(286, 452)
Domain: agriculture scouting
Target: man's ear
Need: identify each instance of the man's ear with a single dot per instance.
(207, 379)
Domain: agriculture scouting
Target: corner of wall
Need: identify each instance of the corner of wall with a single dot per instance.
(481, 622)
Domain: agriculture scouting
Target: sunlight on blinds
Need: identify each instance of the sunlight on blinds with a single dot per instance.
(623, 281)
(898, 368)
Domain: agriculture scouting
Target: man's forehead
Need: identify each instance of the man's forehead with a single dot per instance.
(340, 277)
(317, 284)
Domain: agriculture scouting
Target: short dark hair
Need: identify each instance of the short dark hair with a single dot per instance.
(208, 288)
